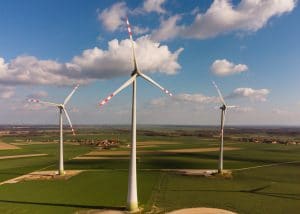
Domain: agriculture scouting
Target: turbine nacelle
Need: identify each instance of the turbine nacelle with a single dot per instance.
(137, 72)
(223, 107)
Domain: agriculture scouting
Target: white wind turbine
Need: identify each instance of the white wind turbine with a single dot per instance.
(132, 200)
(61, 108)
(223, 112)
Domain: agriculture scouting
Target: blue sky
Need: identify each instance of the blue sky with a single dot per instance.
(249, 48)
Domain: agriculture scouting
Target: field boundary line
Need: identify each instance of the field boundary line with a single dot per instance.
(21, 156)
(265, 165)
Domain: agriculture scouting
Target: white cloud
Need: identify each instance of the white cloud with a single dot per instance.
(139, 30)
(168, 29)
(195, 11)
(22, 106)
(74, 110)
(184, 98)
(224, 17)
(6, 92)
(223, 67)
(188, 108)
(30, 70)
(279, 111)
(116, 61)
(196, 98)
(113, 17)
(154, 6)
(252, 94)
(31, 107)
(38, 95)
(242, 109)
(92, 64)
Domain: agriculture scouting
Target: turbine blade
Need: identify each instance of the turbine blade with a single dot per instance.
(132, 44)
(219, 92)
(127, 83)
(71, 94)
(69, 120)
(156, 84)
(43, 102)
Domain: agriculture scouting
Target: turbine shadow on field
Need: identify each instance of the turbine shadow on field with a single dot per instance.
(232, 158)
(256, 191)
(63, 205)
(11, 173)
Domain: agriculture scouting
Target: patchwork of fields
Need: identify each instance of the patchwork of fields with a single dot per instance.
(265, 177)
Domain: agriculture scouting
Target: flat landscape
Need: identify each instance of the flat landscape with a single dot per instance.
(264, 176)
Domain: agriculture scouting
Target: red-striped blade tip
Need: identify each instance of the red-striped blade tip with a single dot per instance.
(33, 100)
(168, 92)
(106, 100)
(129, 28)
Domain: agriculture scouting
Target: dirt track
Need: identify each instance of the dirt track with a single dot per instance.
(156, 143)
(42, 143)
(32, 143)
(127, 152)
(201, 210)
(101, 158)
(43, 175)
(21, 156)
(6, 146)
(107, 152)
(195, 150)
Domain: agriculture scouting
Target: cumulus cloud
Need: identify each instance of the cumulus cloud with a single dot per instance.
(279, 111)
(154, 6)
(92, 64)
(140, 30)
(184, 98)
(30, 70)
(196, 98)
(223, 67)
(188, 108)
(6, 92)
(112, 18)
(74, 110)
(242, 109)
(252, 94)
(224, 17)
(168, 29)
(116, 61)
(38, 95)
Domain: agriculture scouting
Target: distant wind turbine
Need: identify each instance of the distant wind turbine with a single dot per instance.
(61, 108)
(223, 112)
(132, 199)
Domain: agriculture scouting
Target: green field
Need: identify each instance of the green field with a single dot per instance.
(274, 188)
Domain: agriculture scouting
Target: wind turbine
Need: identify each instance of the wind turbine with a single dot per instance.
(223, 112)
(61, 108)
(132, 199)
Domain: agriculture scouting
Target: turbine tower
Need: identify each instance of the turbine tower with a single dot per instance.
(132, 199)
(61, 108)
(223, 112)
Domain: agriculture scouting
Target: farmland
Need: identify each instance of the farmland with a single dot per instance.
(265, 177)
